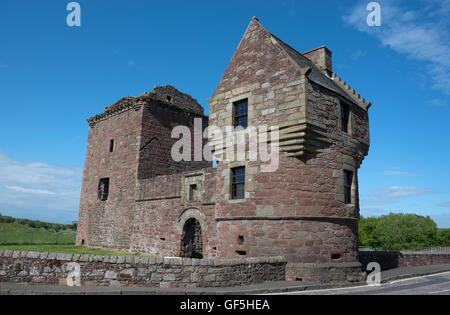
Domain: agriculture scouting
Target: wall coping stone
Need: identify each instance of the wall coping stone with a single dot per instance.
(405, 253)
(64, 257)
(149, 261)
(33, 255)
(325, 265)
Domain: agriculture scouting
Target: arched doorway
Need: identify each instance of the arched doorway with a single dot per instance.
(191, 239)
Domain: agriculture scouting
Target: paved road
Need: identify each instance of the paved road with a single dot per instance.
(438, 284)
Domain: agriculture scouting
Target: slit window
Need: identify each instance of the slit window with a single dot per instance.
(238, 183)
(348, 180)
(240, 114)
(103, 189)
(345, 117)
(111, 145)
(193, 192)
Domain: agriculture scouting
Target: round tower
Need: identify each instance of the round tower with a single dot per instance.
(299, 197)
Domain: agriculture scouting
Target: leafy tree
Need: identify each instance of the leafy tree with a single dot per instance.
(400, 232)
(444, 237)
(366, 232)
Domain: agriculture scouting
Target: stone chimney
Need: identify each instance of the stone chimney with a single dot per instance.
(321, 56)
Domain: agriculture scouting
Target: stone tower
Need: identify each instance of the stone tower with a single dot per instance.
(131, 141)
(308, 209)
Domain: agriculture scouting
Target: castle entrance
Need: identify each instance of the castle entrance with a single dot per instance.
(191, 240)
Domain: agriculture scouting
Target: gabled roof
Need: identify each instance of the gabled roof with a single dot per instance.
(317, 76)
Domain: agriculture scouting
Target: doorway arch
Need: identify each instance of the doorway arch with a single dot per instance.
(191, 239)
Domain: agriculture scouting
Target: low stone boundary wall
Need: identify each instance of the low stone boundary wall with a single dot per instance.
(325, 272)
(389, 260)
(91, 270)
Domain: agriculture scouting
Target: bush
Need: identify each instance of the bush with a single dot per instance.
(444, 237)
(401, 232)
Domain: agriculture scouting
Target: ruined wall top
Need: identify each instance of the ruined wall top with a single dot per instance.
(160, 95)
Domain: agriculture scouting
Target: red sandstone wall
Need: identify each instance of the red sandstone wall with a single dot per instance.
(157, 228)
(107, 224)
(156, 143)
(163, 208)
(297, 211)
(296, 192)
(142, 150)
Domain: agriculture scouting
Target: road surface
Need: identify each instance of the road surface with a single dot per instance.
(438, 284)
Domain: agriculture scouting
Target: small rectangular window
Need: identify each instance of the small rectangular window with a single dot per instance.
(240, 113)
(103, 189)
(238, 183)
(111, 145)
(348, 181)
(345, 117)
(193, 192)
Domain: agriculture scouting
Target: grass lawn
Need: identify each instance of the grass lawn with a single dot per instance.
(13, 233)
(67, 249)
(21, 237)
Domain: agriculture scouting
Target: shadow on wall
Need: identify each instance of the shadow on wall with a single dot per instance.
(387, 260)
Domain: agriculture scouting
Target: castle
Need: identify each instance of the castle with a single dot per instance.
(136, 198)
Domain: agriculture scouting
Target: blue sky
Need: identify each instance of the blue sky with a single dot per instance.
(53, 77)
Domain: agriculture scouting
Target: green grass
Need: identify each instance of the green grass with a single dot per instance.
(21, 237)
(18, 234)
(67, 249)
(14, 236)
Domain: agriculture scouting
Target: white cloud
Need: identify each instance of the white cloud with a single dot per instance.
(357, 54)
(402, 191)
(437, 102)
(398, 173)
(30, 191)
(391, 195)
(445, 204)
(38, 190)
(373, 212)
(421, 35)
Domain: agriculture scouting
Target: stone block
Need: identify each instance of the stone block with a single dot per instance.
(64, 257)
(33, 255)
(110, 274)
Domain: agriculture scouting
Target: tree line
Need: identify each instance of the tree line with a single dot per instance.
(53, 227)
(399, 231)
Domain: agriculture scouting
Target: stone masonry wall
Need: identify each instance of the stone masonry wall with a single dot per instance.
(107, 223)
(389, 260)
(163, 207)
(299, 210)
(51, 268)
(155, 157)
(140, 129)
